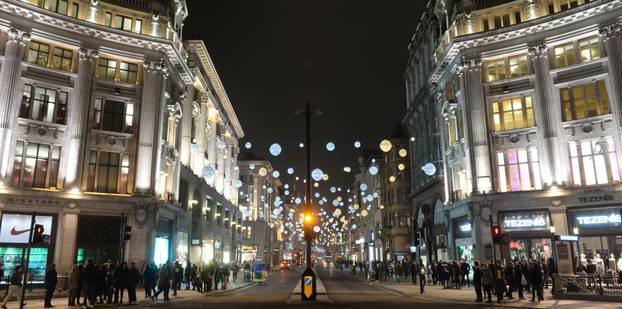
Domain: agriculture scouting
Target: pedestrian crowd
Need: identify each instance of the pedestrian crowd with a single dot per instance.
(107, 283)
(500, 280)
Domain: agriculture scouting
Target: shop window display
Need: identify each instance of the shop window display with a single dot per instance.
(530, 249)
(13, 256)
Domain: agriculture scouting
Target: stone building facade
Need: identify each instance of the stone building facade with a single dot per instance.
(525, 98)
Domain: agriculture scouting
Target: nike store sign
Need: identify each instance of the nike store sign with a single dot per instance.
(15, 228)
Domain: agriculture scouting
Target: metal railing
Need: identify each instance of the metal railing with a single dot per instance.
(589, 285)
(35, 287)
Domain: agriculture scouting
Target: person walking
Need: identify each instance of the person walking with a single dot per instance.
(149, 275)
(15, 286)
(477, 281)
(487, 282)
(74, 285)
(234, 270)
(421, 277)
(188, 275)
(49, 281)
(164, 281)
(133, 277)
(465, 269)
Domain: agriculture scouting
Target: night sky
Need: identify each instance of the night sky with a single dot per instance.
(345, 57)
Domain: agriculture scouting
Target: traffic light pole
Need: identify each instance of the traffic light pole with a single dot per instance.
(26, 264)
(494, 245)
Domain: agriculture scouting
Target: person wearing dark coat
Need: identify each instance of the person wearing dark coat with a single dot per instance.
(133, 277)
(518, 282)
(510, 280)
(88, 284)
(499, 280)
(50, 285)
(477, 281)
(149, 278)
(120, 282)
(536, 276)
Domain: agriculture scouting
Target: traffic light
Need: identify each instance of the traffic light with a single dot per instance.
(495, 230)
(308, 225)
(128, 233)
(37, 235)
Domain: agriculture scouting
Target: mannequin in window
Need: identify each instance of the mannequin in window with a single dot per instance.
(600, 265)
(611, 264)
(620, 269)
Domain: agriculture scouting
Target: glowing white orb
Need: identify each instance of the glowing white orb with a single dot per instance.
(290, 170)
(403, 153)
(347, 169)
(275, 149)
(330, 146)
(401, 166)
(276, 174)
(363, 186)
(317, 174)
(248, 145)
(238, 183)
(373, 170)
(263, 172)
(357, 144)
(208, 171)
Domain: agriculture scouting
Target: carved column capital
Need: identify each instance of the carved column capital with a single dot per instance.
(538, 51)
(158, 67)
(471, 64)
(18, 36)
(88, 54)
(610, 31)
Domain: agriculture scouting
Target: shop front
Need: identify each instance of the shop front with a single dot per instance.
(599, 233)
(528, 234)
(463, 242)
(163, 242)
(14, 233)
(98, 239)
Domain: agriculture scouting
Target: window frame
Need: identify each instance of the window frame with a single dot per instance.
(578, 161)
(498, 103)
(27, 109)
(38, 53)
(504, 174)
(52, 165)
(601, 109)
(95, 167)
(65, 57)
(100, 112)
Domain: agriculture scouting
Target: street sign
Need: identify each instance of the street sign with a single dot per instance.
(309, 291)
(308, 286)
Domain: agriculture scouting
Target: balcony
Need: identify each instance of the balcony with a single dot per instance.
(150, 6)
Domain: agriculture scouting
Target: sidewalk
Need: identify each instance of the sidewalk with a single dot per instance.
(467, 296)
(62, 302)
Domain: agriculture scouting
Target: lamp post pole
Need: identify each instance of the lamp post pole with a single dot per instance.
(308, 281)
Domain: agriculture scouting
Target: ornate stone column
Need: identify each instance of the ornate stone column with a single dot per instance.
(186, 125)
(440, 119)
(548, 118)
(611, 38)
(476, 115)
(155, 74)
(466, 128)
(78, 111)
(10, 92)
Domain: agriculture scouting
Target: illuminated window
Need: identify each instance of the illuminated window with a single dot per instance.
(38, 53)
(564, 55)
(113, 116)
(43, 104)
(519, 66)
(114, 70)
(107, 172)
(108, 19)
(519, 170)
(107, 68)
(510, 67)
(584, 101)
(138, 26)
(594, 161)
(122, 22)
(128, 72)
(512, 113)
(496, 70)
(35, 165)
(58, 6)
(454, 127)
(589, 49)
(75, 9)
(62, 59)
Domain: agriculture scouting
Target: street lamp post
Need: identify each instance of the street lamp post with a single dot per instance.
(308, 285)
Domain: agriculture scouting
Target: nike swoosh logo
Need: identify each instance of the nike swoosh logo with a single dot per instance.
(15, 232)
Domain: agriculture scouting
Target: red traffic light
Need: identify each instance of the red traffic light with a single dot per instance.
(496, 231)
(39, 229)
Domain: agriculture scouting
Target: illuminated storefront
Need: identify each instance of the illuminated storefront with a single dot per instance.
(14, 232)
(463, 229)
(598, 230)
(163, 242)
(528, 234)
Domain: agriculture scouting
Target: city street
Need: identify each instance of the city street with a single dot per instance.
(344, 291)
